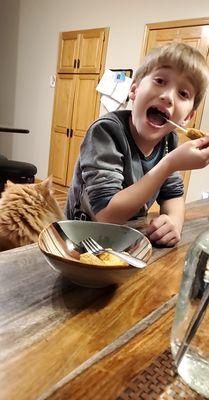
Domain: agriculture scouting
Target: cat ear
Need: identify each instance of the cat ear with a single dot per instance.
(9, 183)
(46, 184)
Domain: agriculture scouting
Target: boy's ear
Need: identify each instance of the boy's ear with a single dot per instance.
(188, 118)
(132, 92)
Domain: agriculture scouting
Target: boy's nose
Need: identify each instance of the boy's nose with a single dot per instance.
(167, 98)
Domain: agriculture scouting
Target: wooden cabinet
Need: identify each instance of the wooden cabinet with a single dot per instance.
(81, 51)
(75, 109)
(76, 102)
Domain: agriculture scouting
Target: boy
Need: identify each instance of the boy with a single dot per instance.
(129, 159)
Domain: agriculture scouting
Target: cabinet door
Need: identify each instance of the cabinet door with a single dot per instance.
(82, 51)
(61, 127)
(59, 150)
(83, 115)
(90, 51)
(64, 100)
(68, 52)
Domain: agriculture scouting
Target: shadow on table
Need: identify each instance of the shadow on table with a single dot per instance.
(72, 298)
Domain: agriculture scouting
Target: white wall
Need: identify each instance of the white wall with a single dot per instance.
(29, 41)
(9, 25)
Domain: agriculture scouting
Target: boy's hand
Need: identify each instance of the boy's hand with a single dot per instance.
(193, 154)
(163, 231)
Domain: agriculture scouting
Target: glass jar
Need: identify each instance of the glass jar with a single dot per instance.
(194, 366)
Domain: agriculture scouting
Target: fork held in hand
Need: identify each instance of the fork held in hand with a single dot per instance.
(95, 248)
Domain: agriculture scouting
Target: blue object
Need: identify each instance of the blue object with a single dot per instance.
(120, 76)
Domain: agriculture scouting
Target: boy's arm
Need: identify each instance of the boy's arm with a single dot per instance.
(166, 228)
(127, 202)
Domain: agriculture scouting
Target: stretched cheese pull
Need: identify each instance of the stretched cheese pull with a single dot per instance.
(191, 133)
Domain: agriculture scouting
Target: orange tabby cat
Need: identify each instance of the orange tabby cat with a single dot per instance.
(25, 209)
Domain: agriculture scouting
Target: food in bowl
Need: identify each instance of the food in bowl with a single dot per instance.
(102, 259)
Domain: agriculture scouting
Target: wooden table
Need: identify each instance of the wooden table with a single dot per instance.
(62, 341)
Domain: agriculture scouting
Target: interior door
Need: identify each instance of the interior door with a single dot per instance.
(84, 114)
(196, 36)
(193, 32)
(61, 127)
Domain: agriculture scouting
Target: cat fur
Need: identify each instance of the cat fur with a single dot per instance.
(25, 209)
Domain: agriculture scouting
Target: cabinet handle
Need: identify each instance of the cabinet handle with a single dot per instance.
(78, 65)
(74, 65)
(69, 132)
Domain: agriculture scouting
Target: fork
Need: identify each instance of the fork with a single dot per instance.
(176, 125)
(95, 248)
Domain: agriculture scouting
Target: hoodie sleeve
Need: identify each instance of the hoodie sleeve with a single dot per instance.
(102, 162)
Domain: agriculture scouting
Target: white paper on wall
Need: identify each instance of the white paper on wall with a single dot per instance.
(115, 88)
(107, 83)
(121, 90)
(109, 103)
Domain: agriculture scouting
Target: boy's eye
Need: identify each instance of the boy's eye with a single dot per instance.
(184, 93)
(159, 81)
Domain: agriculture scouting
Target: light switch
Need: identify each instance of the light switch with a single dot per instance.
(52, 81)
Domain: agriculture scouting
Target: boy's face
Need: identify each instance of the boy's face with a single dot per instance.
(163, 92)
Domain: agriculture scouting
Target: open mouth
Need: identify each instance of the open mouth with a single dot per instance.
(157, 117)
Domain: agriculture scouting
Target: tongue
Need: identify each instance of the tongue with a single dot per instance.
(155, 117)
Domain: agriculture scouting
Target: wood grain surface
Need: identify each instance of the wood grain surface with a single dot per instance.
(110, 376)
(56, 337)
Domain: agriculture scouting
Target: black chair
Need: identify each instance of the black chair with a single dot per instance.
(16, 171)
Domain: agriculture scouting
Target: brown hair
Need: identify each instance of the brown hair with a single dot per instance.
(182, 57)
